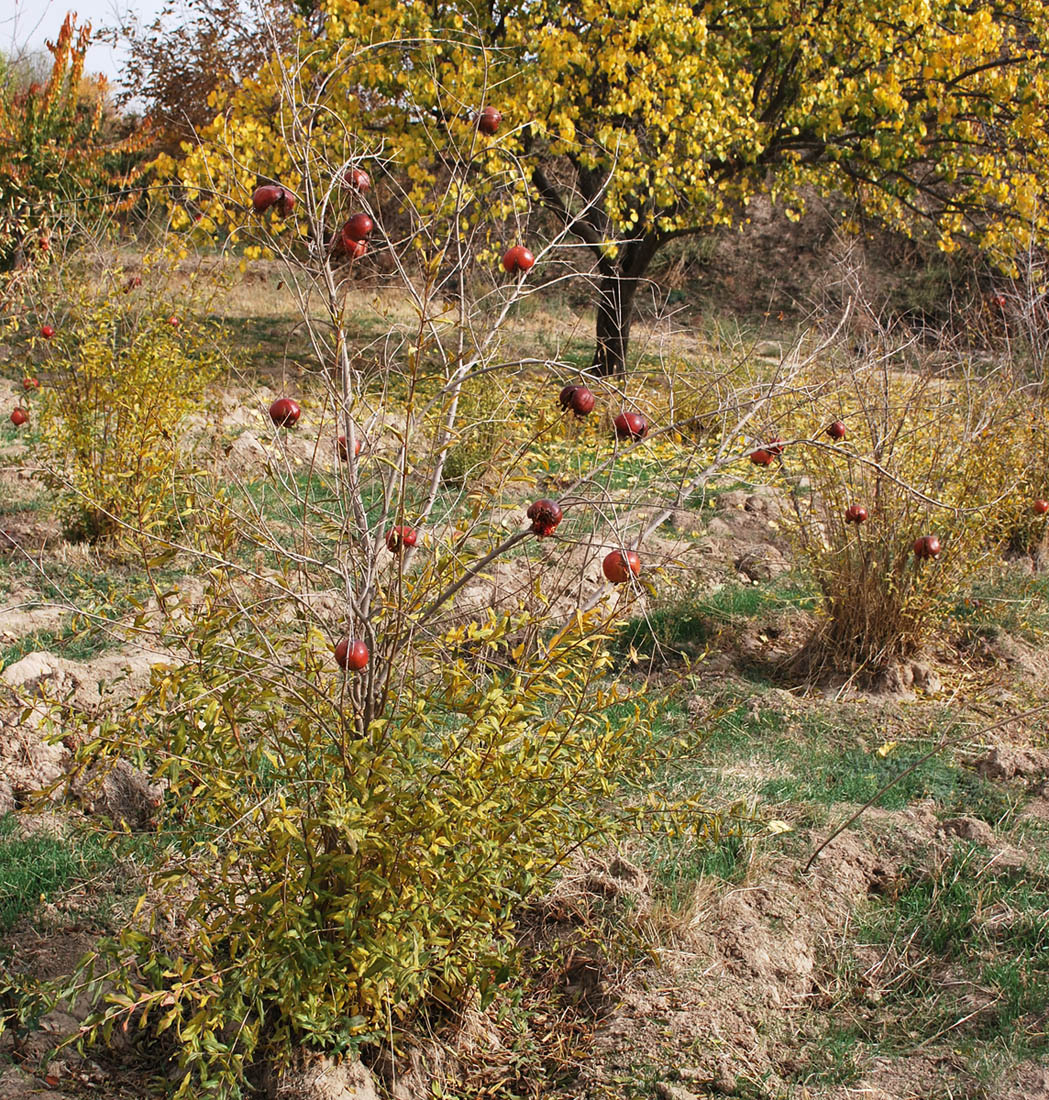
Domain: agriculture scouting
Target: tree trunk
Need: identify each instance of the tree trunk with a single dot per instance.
(615, 304)
(615, 311)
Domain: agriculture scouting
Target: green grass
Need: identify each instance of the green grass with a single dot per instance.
(816, 757)
(750, 751)
(985, 924)
(853, 775)
(1007, 599)
(74, 644)
(708, 496)
(108, 594)
(685, 624)
(39, 502)
(678, 865)
(39, 866)
(835, 1056)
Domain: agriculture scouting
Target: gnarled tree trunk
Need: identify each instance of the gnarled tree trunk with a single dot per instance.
(617, 291)
(620, 275)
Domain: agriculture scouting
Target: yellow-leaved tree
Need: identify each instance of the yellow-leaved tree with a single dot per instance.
(61, 148)
(644, 120)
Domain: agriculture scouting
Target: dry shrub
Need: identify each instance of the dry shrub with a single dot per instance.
(929, 451)
(1017, 524)
(125, 366)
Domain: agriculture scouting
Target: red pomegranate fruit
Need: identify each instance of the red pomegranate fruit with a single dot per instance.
(926, 547)
(630, 425)
(577, 398)
(351, 655)
(284, 412)
(399, 537)
(621, 565)
(344, 450)
(545, 516)
(488, 119)
(518, 259)
(357, 228)
(357, 179)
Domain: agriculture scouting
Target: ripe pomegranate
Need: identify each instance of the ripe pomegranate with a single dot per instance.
(272, 194)
(774, 446)
(761, 457)
(518, 259)
(46, 331)
(30, 383)
(354, 249)
(855, 513)
(926, 546)
(19, 417)
(357, 179)
(357, 228)
(351, 655)
(577, 398)
(545, 516)
(398, 537)
(284, 412)
(344, 450)
(1040, 507)
(836, 430)
(630, 425)
(488, 120)
(620, 566)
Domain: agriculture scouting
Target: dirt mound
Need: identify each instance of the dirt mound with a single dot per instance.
(743, 959)
(83, 683)
(21, 613)
(323, 1079)
(28, 760)
(1011, 762)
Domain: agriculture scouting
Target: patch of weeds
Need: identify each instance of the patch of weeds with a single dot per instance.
(672, 628)
(634, 471)
(986, 924)
(1008, 599)
(678, 865)
(734, 727)
(683, 625)
(854, 775)
(709, 495)
(732, 602)
(103, 595)
(76, 645)
(111, 589)
(36, 867)
(834, 1058)
(266, 345)
(39, 502)
(10, 434)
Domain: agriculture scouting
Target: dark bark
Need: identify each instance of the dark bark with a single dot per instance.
(619, 278)
(615, 309)
(615, 303)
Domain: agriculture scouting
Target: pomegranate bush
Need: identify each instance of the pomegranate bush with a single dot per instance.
(895, 516)
(390, 715)
(118, 362)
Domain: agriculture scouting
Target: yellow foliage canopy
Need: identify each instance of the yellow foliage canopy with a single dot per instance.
(640, 120)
